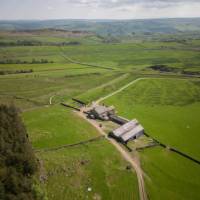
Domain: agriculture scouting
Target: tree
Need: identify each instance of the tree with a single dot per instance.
(17, 160)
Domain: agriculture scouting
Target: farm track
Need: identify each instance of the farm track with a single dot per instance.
(50, 99)
(120, 78)
(133, 82)
(123, 76)
(80, 63)
(119, 90)
(134, 163)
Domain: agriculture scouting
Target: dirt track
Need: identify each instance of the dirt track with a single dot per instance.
(134, 163)
(119, 90)
(50, 99)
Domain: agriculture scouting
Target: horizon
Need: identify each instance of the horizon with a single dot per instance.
(99, 19)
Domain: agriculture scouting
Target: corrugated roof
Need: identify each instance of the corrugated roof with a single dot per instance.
(125, 128)
(132, 133)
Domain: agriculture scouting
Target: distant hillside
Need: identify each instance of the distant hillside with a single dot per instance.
(110, 27)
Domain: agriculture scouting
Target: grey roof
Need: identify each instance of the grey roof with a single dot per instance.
(102, 109)
(138, 129)
(125, 128)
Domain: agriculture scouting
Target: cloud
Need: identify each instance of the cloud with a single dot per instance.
(92, 9)
(50, 8)
(122, 3)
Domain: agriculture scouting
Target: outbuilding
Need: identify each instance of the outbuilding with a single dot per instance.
(129, 131)
(135, 133)
(125, 128)
(101, 112)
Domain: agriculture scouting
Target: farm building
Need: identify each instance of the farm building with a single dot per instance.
(130, 130)
(118, 119)
(101, 112)
(136, 132)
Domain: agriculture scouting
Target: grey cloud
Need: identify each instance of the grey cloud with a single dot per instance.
(121, 3)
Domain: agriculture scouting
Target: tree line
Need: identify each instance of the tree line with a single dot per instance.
(18, 164)
(36, 43)
(22, 71)
(33, 61)
(165, 68)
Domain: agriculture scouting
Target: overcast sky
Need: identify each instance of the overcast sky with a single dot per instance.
(98, 9)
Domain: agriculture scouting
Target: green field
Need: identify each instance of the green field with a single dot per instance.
(54, 126)
(170, 176)
(169, 110)
(167, 104)
(36, 88)
(66, 79)
(70, 172)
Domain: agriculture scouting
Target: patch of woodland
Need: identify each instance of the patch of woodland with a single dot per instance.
(18, 164)
(33, 61)
(166, 68)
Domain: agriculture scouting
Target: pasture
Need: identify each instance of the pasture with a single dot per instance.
(169, 111)
(55, 126)
(36, 88)
(168, 108)
(170, 176)
(65, 79)
(70, 172)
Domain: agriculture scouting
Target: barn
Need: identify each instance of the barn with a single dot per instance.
(129, 131)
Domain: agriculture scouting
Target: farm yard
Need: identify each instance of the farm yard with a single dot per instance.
(71, 171)
(127, 75)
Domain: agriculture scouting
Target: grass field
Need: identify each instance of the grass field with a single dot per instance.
(67, 79)
(40, 86)
(86, 167)
(70, 172)
(167, 108)
(54, 126)
(170, 176)
(169, 111)
(49, 37)
(122, 56)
